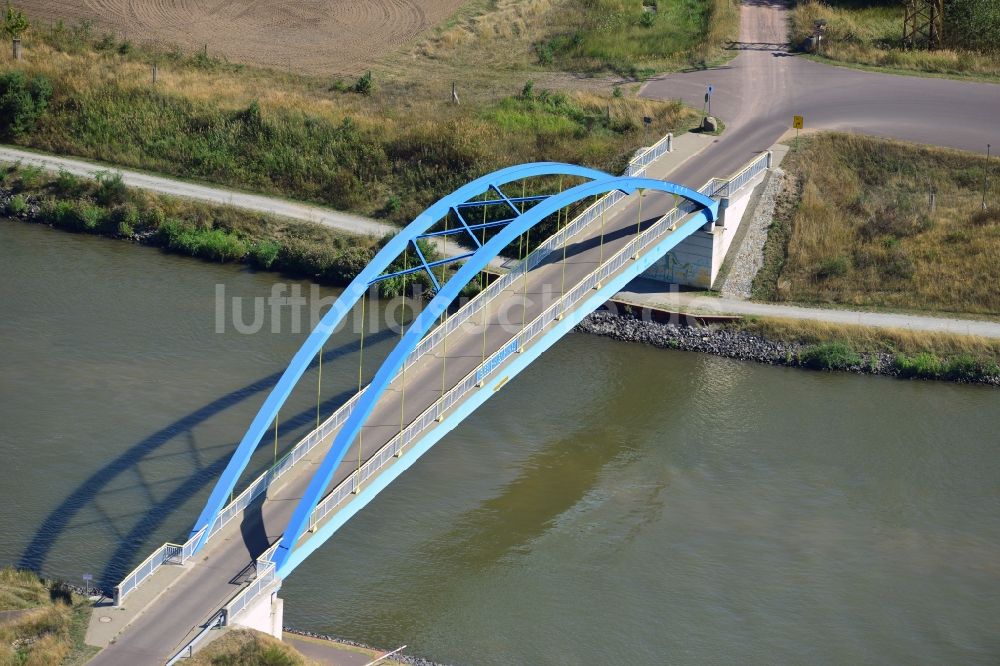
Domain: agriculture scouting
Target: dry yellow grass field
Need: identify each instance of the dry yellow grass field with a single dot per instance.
(50, 630)
(867, 339)
(860, 229)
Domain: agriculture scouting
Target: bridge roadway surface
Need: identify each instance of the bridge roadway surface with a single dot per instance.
(755, 93)
(177, 615)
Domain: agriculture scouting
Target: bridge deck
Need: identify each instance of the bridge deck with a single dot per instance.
(226, 563)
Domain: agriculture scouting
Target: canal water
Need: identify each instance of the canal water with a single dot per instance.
(613, 504)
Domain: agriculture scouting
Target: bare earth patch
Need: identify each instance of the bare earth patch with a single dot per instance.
(312, 36)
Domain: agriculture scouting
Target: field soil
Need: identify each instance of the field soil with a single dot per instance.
(312, 36)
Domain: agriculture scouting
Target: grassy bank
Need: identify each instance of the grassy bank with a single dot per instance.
(912, 354)
(245, 647)
(51, 629)
(214, 233)
(375, 148)
(870, 33)
(638, 39)
(855, 227)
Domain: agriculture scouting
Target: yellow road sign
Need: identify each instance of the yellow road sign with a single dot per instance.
(797, 122)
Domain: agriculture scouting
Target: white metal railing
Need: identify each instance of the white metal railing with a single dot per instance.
(637, 166)
(265, 566)
(726, 187)
(265, 576)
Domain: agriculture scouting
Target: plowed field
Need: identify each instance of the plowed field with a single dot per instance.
(315, 36)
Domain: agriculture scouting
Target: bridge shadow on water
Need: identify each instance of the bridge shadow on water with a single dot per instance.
(133, 542)
(552, 481)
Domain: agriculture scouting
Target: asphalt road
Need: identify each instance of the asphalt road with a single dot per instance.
(757, 93)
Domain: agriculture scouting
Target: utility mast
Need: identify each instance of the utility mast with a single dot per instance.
(923, 23)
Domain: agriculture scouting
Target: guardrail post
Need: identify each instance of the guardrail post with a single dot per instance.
(670, 142)
(118, 596)
(770, 159)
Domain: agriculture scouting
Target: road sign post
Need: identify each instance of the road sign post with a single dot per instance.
(986, 175)
(708, 97)
(797, 123)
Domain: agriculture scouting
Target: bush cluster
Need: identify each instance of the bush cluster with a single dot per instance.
(106, 206)
(973, 24)
(830, 356)
(23, 100)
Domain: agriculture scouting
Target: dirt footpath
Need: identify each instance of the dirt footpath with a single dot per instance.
(312, 36)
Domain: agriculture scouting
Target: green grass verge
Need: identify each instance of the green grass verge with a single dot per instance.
(911, 354)
(638, 39)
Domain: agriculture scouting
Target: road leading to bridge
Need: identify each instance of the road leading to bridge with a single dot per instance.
(758, 92)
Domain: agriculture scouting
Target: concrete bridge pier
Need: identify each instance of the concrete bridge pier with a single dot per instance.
(265, 613)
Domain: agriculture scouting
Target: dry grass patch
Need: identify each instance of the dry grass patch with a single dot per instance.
(860, 229)
(246, 647)
(51, 631)
(626, 39)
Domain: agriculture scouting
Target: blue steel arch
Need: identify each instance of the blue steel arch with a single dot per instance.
(299, 521)
(354, 291)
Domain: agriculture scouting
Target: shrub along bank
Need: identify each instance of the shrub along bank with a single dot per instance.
(215, 233)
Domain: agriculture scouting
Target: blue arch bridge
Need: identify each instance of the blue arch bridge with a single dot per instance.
(445, 364)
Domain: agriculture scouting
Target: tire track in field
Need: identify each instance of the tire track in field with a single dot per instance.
(315, 36)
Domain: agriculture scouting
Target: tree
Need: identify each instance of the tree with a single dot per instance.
(973, 25)
(22, 102)
(15, 23)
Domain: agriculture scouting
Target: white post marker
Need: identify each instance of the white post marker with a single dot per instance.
(708, 97)
(387, 654)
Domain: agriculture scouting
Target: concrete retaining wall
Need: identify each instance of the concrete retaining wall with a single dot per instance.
(695, 262)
